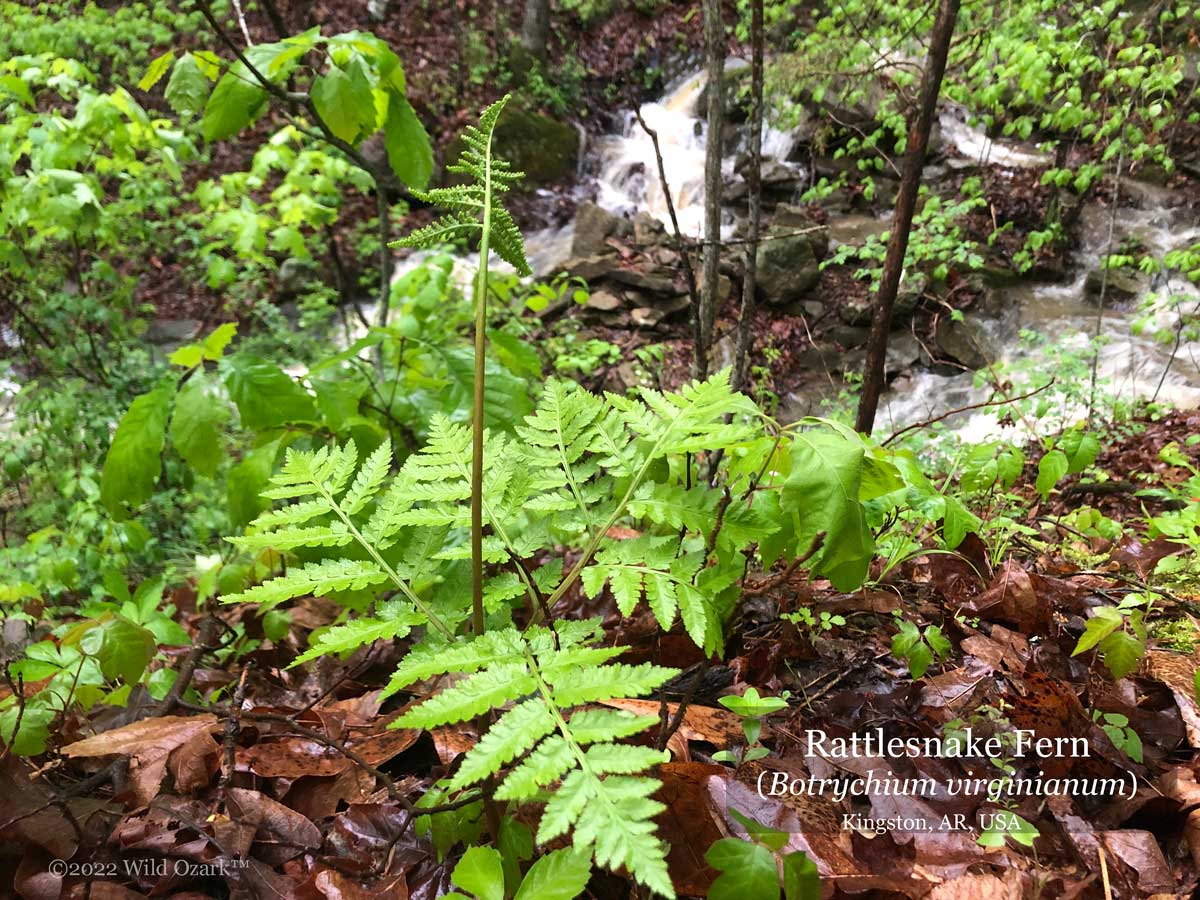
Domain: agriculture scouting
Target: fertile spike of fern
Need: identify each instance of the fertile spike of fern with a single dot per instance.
(467, 204)
(601, 797)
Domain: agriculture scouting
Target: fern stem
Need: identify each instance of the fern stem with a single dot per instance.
(477, 407)
(391, 573)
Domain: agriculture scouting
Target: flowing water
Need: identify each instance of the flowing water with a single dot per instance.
(1131, 365)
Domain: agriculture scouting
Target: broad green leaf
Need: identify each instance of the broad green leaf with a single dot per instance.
(408, 149)
(1054, 465)
(748, 871)
(246, 482)
(236, 101)
(823, 491)
(197, 424)
(801, 880)
(122, 648)
(1080, 448)
(34, 732)
(559, 875)
(134, 458)
(481, 872)
(1122, 653)
(188, 86)
(1103, 622)
(18, 88)
(265, 395)
(344, 101)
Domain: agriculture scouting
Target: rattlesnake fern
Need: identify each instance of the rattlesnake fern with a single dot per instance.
(397, 549)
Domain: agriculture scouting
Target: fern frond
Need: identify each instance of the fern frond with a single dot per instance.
(556, 671)
(393, 621)
(369, 479)
(317, 579)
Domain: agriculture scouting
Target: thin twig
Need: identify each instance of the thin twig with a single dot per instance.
(953, 412)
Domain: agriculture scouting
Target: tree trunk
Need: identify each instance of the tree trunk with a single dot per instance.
(750, 277)
(714, 43)
(535, 28)
(906, 201)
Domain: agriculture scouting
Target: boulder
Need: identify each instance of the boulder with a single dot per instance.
(857, 311)
(966, 342)
(912, 287)
(788, 267)
(603, 301)
(1121, 286)
(647, 230)
(593, 226)
(545, 149)
(795, 218)
(172, 331)
(591, 268)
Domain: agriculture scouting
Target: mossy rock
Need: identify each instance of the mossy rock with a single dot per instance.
(545, 149)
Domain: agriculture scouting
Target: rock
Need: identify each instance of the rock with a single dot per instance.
(912, 286)
(795, 218)
(593, 226)
(1121, 286)
(857, 311)
(903, 351)
(657, 282)
(545, 149)
(966, 342)
(788, 267)
(737, 101)
(590, 268)
(172, 331)
(848, 335)
(814, 309)
(823, 358)
(603, 301)
(647, 316)
(647, 230)
(294, 276)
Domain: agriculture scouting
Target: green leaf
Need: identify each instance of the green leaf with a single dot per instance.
(18, 88)
(748, 871)
(1080, 448)
(34, 733)
(408, 149)
(188, 87)
(344, 101)
(246, 482)
(1122, 653)
(265, 395)
(196, 425)
(236, 101)
(480, 871)
(156, 70)
(823, 490)
(134, 459)
(1054, 465)
(1104, 621)
(801, 880)
(559, 875)
(122, 648)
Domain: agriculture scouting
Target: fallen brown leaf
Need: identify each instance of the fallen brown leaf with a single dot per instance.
(147, 743)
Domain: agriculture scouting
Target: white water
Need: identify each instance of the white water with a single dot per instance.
(1130, 365)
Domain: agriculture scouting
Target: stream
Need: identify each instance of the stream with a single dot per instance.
(1132, 365)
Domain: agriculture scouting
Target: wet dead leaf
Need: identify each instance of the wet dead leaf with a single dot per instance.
(147, 743)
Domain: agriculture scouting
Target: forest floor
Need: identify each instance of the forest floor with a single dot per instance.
(323, 790)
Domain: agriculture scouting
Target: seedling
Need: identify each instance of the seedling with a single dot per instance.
(753, 709)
